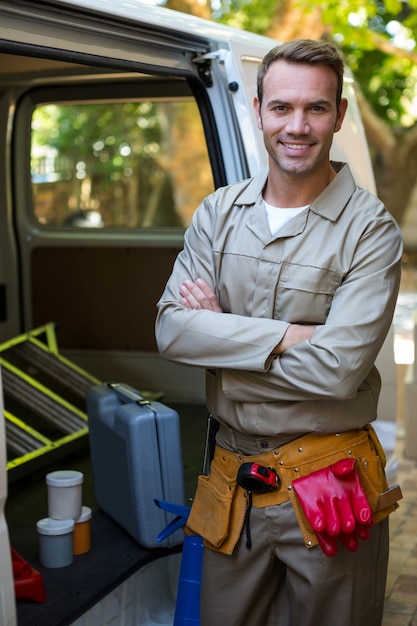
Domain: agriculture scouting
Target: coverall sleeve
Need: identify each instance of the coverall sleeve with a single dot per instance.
(205, 338)
(341, 353)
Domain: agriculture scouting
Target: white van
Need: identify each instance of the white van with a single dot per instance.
(116, 118)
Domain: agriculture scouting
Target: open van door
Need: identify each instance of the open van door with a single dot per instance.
(7, 595)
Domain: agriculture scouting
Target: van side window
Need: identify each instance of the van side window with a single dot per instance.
(118, 164)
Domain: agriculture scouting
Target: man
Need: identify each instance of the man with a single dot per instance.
(284, 292)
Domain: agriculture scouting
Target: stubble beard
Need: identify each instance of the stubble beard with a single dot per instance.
(294, 166)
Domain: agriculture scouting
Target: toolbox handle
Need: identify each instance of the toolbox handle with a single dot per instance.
(126, 394)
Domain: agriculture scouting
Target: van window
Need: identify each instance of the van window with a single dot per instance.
(118, 164)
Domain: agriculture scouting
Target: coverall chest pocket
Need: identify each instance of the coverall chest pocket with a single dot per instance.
(304, 293)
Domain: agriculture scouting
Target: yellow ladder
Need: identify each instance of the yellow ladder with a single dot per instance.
(44, 397)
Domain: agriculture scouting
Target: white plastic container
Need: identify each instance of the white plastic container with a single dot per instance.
(55, 540)
(64, 494)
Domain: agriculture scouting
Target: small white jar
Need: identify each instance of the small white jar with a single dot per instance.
(64, 494)
(55, 541)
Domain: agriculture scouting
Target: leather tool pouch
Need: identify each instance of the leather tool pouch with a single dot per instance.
(219, 507)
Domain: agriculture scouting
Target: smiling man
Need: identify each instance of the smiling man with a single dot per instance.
(284, 293)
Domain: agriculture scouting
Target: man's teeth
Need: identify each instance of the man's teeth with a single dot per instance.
(295, 146)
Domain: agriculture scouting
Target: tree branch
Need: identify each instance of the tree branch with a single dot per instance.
(385, 46)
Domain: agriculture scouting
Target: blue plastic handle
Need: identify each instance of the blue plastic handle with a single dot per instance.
(181, 512)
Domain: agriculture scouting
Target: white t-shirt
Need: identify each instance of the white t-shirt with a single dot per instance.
(278, 216)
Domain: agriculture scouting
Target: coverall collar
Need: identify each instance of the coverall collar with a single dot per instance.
(323, 205)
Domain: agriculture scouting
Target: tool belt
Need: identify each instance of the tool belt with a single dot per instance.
(219, 507)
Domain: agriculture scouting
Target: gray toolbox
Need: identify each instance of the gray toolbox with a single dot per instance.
(136, 458)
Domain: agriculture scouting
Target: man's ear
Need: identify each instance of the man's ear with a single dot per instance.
(257, 109)
(341, 112)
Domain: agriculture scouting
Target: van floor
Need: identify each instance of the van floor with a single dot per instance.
(114, 556)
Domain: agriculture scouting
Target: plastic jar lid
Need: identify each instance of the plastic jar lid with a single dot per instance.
(49, 526)
(85, 515)
(64, 478)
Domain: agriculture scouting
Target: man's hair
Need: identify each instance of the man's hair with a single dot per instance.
(304, 51)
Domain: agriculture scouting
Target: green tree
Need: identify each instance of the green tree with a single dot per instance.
(102, 151)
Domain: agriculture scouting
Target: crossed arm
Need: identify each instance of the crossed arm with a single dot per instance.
(198, 295)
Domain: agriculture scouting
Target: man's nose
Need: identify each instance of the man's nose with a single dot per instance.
(298, 124)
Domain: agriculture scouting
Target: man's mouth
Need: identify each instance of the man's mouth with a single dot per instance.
(295, 146)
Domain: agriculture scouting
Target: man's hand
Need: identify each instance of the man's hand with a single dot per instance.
(198, 295)
(295, 334)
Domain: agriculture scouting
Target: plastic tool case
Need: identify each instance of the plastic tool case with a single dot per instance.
(136, 458)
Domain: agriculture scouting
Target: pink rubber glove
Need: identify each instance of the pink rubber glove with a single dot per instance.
(335, 505)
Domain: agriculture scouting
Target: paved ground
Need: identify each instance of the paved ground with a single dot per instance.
(401, 593)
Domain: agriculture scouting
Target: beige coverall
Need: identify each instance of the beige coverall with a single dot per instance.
(337, 265)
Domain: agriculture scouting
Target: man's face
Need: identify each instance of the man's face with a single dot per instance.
(299, 116)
